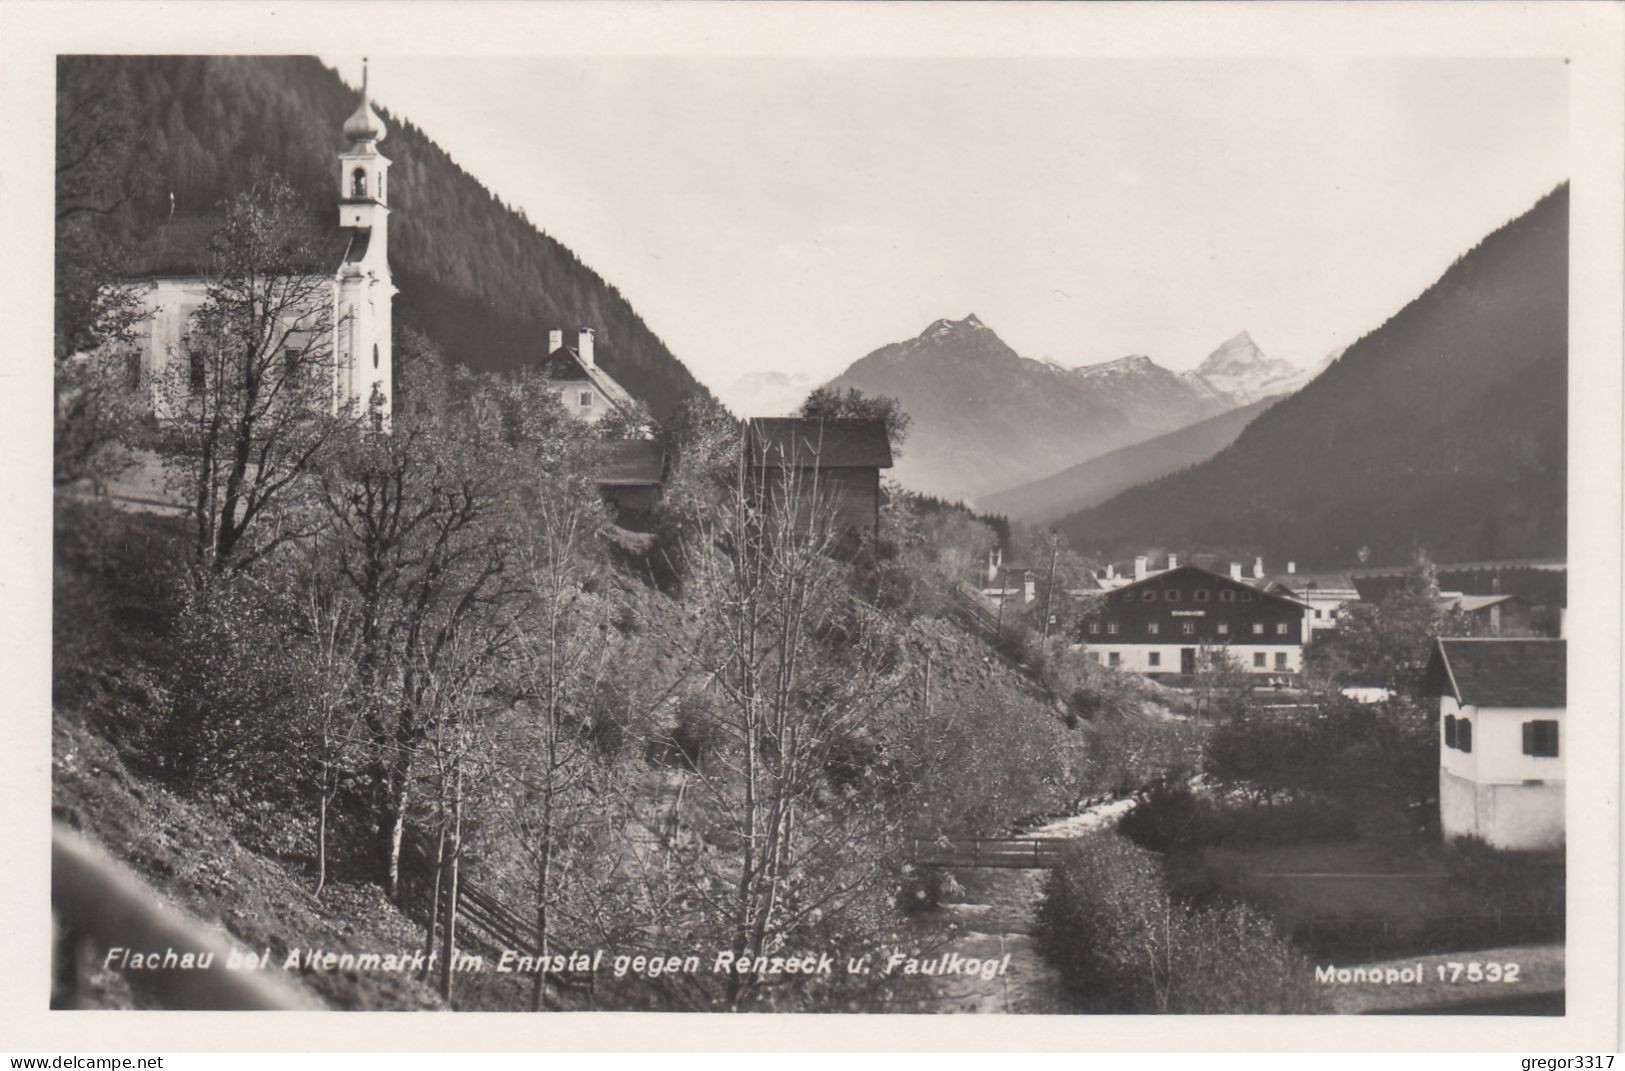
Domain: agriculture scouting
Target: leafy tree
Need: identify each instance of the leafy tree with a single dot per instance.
(833, 403)
(97, 384)
(1388, 644)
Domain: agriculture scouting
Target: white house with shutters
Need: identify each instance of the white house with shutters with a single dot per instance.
(1502, 704)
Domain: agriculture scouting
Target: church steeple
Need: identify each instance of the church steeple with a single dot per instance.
(362, 168)
(363, 328)
(364, 125)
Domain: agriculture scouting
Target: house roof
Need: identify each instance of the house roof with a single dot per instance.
(1473, 603)
(827, 443)
(564, 365)
(631, 463)
(1299, 583)
(1497, 672)
(1224, 581)
(179, 247)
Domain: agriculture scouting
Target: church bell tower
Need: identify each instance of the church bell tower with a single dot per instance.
(364, 374)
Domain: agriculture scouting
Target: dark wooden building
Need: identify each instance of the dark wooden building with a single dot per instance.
(830, 466)
(1159, 625)
(631, 475)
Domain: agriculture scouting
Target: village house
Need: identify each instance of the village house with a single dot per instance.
(999, 584)
(175, 262)
(1501, 713)
(1324, 593)
(831, 465)
(1496, 615)
(1160, 624)
(588, 392)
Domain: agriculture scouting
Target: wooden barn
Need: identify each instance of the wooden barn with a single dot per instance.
(833, 464)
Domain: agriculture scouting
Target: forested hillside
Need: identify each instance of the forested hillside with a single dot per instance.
(1445, 429)
(473, 273)
(1093, 481)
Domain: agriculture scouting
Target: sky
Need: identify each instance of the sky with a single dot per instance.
(794, 213)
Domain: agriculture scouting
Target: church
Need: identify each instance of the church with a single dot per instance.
(174, 268)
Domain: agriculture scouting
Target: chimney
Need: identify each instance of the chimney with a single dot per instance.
(585, 349)
(1173, 561)
(1258, 568)
(1495, 585)
(1235, 570)
(1291, 568)
(555, 341)
(1111, 571)
(1139, 567)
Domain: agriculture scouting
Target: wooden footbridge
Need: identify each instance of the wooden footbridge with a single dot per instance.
(1013, 853)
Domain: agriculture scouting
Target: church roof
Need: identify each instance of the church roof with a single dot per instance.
(180, 247)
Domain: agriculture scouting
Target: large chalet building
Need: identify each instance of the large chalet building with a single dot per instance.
(1165, 622)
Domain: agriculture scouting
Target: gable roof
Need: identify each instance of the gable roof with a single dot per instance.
(827, 443)
(1497, 672)
(564, 365)
(1224, 581)
(1313, 582)
(631, 463)
(1473, 603)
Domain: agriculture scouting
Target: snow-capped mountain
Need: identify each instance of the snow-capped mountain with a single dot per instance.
(1240, 369)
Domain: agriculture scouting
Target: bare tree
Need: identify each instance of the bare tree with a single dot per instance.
(247, 403)
(794, 669)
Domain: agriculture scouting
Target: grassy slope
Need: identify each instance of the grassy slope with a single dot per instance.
(109, 627)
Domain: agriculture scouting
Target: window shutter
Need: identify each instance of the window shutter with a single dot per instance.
(1528, 738)
(1464, 735)
(1450, 730)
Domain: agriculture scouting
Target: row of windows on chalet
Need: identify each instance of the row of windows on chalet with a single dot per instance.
(1188, 628)
(1174, 595)
(1154, 658)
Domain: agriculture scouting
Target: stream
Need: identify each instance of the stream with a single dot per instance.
(994, 917)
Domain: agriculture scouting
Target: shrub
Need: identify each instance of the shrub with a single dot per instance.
(1169, 816)
(1123, 944)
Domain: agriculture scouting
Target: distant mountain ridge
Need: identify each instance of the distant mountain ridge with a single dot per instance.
(1445, 429)
(1090, 482)
(985, 419)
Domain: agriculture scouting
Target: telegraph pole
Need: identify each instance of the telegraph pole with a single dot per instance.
(1049, 588)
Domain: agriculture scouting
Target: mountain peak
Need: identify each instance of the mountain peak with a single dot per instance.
(1237, 352)
(945, 326)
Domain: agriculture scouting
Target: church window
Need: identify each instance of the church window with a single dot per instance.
(375, 355)
(358, 183)
(380, 185)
